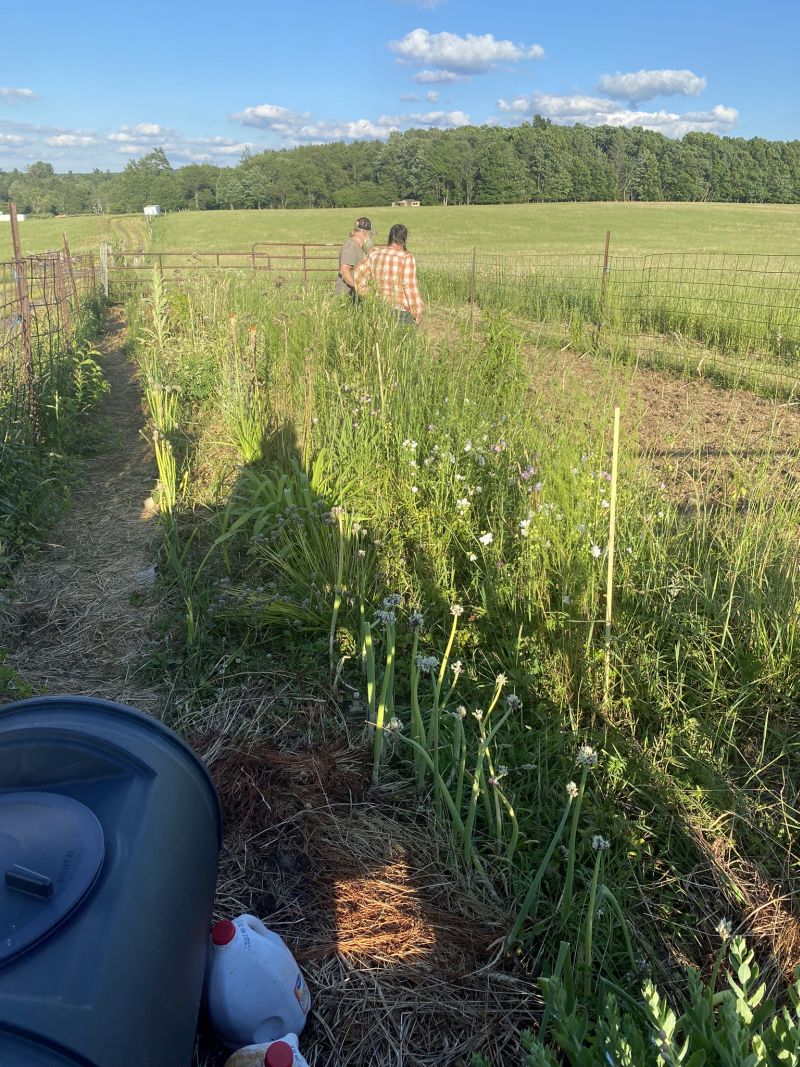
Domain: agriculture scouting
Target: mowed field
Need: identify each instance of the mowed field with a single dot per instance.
(635, 228)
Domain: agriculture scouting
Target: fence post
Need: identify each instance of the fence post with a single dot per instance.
(62, 300)
(25, 316)
(71, 273)
(472, 290)
(601, 304)
(305, 266)
(104, 267)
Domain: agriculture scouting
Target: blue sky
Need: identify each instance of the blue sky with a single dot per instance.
(96, 86)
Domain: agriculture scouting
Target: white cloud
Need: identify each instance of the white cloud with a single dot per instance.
(438, 77)
(7, 93)
(599, 111)
(141, 133)
(409, 98)
(646, 84)
(296, 127)
(431, 96)
(71, 140)
(11, 139)
(442, 119)
(462, 55)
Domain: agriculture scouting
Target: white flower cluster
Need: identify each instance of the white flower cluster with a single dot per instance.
(586, 757)
(427, 664)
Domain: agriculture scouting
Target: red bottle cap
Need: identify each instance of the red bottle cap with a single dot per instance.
(279, 1054)
(223, 932)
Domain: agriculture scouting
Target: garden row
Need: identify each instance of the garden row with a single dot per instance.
(409, 519)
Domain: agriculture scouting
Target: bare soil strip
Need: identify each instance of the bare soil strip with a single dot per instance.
(77, 618)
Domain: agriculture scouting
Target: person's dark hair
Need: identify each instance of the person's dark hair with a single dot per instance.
(398, 235)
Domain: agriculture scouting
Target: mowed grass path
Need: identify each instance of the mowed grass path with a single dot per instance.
(84, 233)
(568, 228)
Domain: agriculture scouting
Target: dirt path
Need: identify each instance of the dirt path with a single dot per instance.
(78, 618)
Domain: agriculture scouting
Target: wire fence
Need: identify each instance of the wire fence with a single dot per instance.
(40, 299)
(731, 316)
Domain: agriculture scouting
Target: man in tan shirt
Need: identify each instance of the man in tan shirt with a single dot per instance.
(350, 255)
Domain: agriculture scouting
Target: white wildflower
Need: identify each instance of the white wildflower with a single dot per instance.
(597, 551)
(486, 539)
(724, 928)
(456, 609)
(394, 725)
(513, 701)
(462, 503)
(457, 667)
(472, 557)
(572, 790)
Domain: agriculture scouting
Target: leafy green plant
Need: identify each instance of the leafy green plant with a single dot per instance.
(735, 1026)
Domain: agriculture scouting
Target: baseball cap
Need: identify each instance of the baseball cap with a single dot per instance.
(363, 224)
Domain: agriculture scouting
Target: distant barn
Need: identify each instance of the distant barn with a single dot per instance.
(406, 203)
(152, 209)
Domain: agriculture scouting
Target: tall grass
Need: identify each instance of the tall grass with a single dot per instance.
(402, 475)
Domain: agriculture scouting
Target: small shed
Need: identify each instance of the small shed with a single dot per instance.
(406, 203)
(7, 218)
(152, 209)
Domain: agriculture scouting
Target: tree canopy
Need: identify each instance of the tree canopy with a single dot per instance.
(537, 161)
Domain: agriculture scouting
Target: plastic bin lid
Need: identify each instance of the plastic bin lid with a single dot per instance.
(51, 852)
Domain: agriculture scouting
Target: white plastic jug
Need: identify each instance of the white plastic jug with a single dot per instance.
(283, 1053)
(254, 990)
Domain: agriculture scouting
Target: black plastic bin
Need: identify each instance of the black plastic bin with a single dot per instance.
(110, 831)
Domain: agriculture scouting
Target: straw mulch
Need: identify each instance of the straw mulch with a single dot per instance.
(76, 617)
(396, 944)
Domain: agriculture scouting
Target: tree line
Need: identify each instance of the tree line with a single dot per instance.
(537, 161)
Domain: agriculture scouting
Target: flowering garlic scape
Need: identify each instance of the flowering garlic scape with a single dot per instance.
(427, 664)
(416, 620)
(572, 790)
(724, 928)
(587, 757)
(599, 843)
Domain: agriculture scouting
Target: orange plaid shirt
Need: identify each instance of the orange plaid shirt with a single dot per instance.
(394, 275)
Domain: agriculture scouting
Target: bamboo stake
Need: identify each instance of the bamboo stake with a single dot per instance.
(612, 536)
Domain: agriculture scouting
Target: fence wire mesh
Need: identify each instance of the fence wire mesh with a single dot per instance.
(40, 297)
(731, 316)
(734, 316)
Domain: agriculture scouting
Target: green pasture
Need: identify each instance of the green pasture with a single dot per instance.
(635, 228)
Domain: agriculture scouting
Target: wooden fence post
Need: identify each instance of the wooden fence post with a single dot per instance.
(20, 272)
(70, 273)
(104, 267)
(601, 303)
(62, 301)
